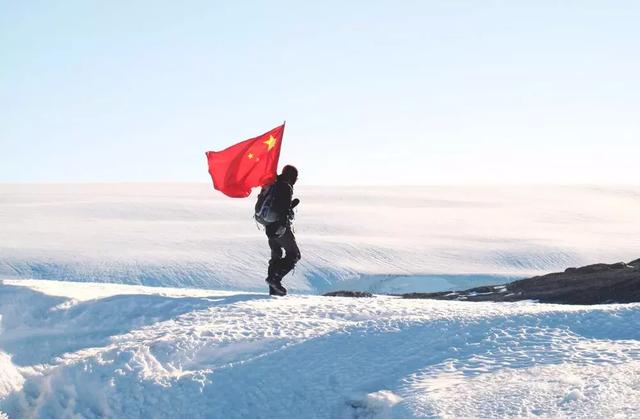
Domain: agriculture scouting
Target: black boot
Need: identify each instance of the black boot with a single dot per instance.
(275, 287)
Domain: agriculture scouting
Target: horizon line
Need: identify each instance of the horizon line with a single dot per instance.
(438, 184)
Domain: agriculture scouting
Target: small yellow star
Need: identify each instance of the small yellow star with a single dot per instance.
(271, 142)
(250, 155)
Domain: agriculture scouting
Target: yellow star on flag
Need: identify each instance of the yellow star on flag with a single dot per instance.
(250, 155)
(271, 142)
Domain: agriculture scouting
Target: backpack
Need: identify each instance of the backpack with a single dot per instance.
(264, 214)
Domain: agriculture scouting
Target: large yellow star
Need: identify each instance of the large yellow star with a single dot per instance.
(271, 142)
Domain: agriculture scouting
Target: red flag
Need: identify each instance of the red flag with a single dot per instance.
(251, 163)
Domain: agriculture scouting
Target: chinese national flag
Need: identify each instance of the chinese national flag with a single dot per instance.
(251, 163)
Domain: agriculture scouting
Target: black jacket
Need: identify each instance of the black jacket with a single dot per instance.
(282, 197)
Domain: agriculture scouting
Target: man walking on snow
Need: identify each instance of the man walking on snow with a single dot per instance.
(254, 162)
(279, 233)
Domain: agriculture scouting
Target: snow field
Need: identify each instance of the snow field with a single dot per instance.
(116, 348)
(165, 353)
(379, 239)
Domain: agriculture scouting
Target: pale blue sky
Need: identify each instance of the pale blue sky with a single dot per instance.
(392, 92)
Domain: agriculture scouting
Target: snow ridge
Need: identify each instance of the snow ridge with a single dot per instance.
(154, 352)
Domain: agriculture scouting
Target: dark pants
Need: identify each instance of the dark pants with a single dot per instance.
(280, 266)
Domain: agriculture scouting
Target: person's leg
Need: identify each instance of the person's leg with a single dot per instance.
(273, 279)
(276, 256)
(292, 253)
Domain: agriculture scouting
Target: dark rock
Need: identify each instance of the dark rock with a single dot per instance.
(593, 284)
(355, 294)
(598, 267)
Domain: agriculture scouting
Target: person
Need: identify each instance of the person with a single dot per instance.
(280, 233)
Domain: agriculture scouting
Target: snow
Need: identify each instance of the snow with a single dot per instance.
(139, 352)
(379, 239)
(148, 300)
(373, 405)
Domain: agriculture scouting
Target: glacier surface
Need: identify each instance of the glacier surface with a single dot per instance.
(380, 239)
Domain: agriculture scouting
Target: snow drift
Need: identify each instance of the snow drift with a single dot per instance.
(100, 350)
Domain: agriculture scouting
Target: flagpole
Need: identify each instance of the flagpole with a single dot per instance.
(281, 138)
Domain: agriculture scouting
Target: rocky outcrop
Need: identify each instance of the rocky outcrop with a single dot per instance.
(356, 294)
(593, 284)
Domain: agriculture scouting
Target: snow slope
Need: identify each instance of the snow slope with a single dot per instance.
(101, 350)
(381, 239)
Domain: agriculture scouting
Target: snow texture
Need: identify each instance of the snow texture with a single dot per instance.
(72, 350)
(378, 239)
(110, 346)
